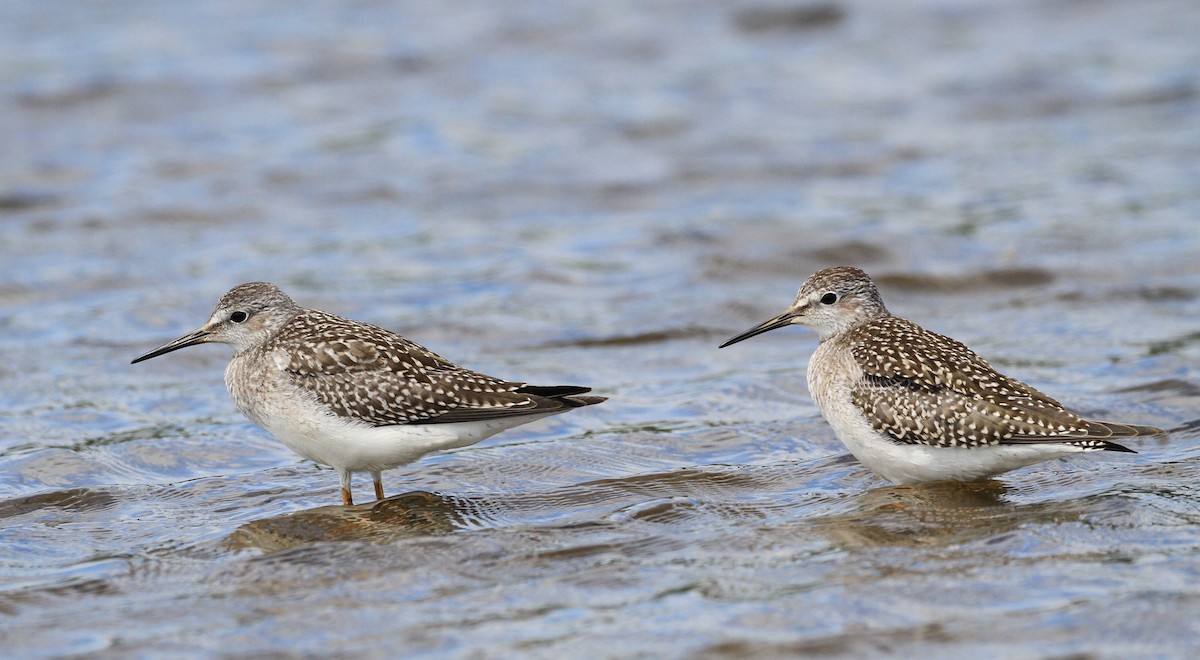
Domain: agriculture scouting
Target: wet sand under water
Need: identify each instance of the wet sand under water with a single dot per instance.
(596, 194)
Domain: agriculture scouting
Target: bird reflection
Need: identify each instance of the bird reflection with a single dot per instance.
(929, 514)
(416, 513)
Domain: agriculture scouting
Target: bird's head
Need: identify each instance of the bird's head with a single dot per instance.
(830, 302)
(245, 317)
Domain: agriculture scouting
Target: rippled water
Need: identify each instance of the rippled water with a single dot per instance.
(595, 193)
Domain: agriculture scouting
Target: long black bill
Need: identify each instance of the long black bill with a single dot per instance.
(766, 326)
(198, 337)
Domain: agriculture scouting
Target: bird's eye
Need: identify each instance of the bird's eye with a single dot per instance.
(829, 298)
(239, 317)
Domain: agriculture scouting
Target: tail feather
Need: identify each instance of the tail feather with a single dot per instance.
(1142, 430)
(581, 401)
(1118, 430)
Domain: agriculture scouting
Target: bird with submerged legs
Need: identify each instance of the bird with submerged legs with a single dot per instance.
(354, 396)
(913, 405)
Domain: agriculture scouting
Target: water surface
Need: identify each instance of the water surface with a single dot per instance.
(595, 193)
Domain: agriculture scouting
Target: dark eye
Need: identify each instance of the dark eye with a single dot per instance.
(829, 298)
(238, 317)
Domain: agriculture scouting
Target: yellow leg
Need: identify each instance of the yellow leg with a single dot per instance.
(347, 499)
(378, 487)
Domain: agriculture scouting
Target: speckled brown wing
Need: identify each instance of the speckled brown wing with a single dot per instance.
(920, 387)
(383, 379)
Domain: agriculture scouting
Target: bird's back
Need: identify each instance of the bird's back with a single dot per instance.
(922, 387)
(363, 372)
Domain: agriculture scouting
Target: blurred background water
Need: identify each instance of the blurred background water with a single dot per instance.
(595, 193)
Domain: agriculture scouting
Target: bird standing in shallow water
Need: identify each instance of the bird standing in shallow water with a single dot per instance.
(352, 395)
(913, 405)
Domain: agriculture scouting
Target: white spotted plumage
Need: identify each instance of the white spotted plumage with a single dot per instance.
(355, 396)
(914, 405)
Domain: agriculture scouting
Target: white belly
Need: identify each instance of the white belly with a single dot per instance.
(357, 447)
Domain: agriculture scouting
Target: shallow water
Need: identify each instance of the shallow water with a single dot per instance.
(599, 194)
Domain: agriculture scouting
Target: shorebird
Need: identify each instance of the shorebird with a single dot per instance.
(352, 395)
(913, 405)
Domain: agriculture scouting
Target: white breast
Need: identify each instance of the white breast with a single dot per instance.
(831, 373)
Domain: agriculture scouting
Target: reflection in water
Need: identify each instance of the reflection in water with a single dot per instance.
(684, 497)
(923, 515)
(416, 513)
(76, 500)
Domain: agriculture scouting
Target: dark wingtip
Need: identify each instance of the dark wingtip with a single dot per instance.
(569, 395)
(1112, 446)
(553, 391)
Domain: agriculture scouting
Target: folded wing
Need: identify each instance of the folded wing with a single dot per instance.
(383, 379)
(920, 387)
